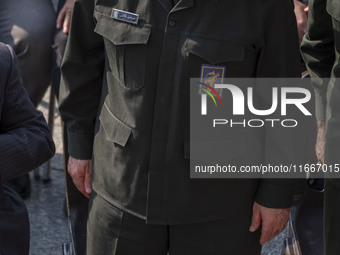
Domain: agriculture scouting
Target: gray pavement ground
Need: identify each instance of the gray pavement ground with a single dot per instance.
(49, 226)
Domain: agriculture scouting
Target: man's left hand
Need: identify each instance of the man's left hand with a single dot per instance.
(273, 221)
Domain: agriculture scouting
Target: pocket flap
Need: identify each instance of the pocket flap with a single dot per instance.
(333, 8)
(215, 51)
(121, 33)
(115, 130)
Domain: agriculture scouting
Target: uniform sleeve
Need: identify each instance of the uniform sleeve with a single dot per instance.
(279, 58)
(82, 73)
(25, 140)
(317, 50)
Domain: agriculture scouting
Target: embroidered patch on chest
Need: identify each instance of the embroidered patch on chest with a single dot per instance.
(210, 74)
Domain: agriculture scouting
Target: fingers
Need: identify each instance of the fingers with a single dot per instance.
(80, 171)
(255, 220)
(273, 221)
(64, 18)
(301, 18)
(266, 234)
(320, 154)
(67, 21)
(87, 181)
(269, 230)
(61, 17)
(302, 26)
(79, 182)
(320, 141)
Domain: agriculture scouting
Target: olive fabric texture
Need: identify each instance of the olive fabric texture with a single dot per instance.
(125, 98)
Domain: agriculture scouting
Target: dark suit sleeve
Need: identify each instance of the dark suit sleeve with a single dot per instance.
(25, 139)
(82, 72)
(317, 50)
(279, 58)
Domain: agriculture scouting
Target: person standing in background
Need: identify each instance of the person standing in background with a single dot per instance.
(25, 143)
(321, 49)
(28, 26)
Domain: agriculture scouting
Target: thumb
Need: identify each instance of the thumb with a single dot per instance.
(255, 220)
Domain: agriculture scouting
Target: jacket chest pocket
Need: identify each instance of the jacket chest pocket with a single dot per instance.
(234, 58)
(126, 48)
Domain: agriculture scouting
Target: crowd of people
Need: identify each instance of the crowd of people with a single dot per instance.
(121, 72)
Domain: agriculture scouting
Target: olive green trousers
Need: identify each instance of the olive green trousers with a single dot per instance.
(112, 231)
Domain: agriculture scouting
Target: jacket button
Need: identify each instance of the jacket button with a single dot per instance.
(172, 23)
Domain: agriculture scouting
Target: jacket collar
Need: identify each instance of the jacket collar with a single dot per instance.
(183, 4)
(166, 4)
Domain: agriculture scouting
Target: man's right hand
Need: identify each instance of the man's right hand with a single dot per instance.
(320, 141)
(65, 15)
(80, 171)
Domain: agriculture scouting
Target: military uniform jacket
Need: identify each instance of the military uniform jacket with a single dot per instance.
(320, 49)
(125, 93)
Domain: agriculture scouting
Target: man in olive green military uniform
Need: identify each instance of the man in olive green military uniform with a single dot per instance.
(125, 90)
(321, 49)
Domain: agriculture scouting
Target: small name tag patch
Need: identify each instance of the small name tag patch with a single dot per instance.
(128, 17)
